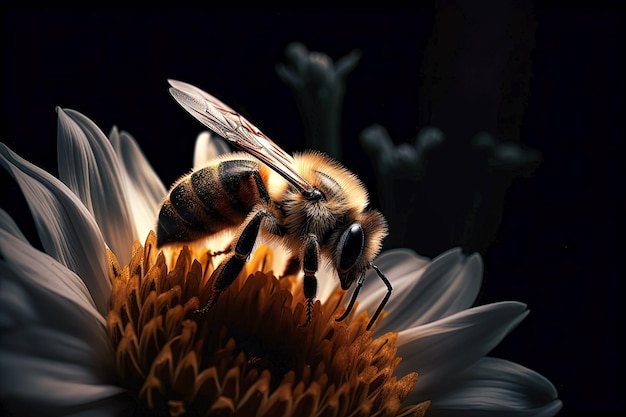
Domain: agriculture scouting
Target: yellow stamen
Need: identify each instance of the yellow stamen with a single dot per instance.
(248, 355)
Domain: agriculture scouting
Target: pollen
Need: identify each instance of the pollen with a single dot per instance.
(249, 355)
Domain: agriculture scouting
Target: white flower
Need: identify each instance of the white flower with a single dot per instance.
(58, 354)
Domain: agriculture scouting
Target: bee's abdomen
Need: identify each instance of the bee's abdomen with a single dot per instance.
(211, 199)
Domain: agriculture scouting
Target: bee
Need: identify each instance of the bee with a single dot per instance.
(310, 203)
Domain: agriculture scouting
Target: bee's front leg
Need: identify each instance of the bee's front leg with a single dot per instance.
(227, 271)
(310, 262)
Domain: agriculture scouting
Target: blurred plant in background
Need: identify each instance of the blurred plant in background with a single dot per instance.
(318, 85)
(447, 188)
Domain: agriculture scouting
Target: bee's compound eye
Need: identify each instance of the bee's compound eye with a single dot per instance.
(351, 245)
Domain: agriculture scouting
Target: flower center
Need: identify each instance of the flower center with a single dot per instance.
(249, 354)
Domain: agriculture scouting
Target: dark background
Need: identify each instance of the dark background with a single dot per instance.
(558, 244)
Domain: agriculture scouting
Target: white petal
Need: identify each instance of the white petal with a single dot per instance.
(89, 167)
(58, 345)
(145, 189)
(208, 147)
(423, 291)
(442, 349)
(117, 406)
(39, 386)
(55, 353)
(497, 387)
(7, 223)
(15, 306)
(66, 229)
(450, 284)
(34, 311)
(42, 277)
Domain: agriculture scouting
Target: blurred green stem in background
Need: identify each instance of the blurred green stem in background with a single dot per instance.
(318, 86)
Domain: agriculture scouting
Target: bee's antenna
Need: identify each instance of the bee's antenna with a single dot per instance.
(355, 294)
(384, 302)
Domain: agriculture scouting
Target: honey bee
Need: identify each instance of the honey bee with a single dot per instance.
(310, 203)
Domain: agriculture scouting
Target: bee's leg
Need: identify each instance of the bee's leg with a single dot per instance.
(310, 261)
(385, 280)
(228, 270)
(355, 294)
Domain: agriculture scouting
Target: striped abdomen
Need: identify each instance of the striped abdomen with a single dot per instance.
(211, 199)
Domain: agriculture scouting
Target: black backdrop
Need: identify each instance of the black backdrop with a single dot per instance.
(112, 65)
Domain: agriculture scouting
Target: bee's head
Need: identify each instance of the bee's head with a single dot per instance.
(358, 245)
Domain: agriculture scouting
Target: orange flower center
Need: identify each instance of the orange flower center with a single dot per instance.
(249, 355)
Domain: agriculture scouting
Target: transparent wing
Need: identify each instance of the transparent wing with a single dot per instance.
(233, 127)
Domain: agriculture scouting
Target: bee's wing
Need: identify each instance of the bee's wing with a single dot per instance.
(233, 127)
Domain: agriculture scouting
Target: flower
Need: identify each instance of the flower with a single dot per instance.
(99, 324)
(318, 85)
